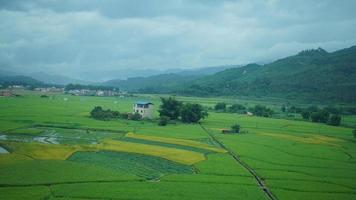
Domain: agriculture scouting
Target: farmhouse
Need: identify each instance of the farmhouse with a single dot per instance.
(144, 108)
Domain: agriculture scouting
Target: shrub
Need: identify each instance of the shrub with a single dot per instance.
(320, 116)
(221, 106)
(306, 115)
(315, 117)
(237, 108)
(283, 108)
(163, 121)
(262, 111)
(136, 116)
(235, 128)
(335, 120)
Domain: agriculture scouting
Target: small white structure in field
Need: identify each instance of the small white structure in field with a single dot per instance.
(144, 108)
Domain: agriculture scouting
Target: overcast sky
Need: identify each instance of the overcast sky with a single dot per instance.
(72, 36)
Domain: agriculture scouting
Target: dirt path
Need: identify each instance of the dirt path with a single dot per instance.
(260, 182)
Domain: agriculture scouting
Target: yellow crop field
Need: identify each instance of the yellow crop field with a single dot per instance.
(176, 155)
(184, 142)
(42, 151)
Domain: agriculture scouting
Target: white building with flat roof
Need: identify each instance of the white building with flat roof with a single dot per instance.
(144, 108)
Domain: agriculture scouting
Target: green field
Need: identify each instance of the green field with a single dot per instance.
(52, 149)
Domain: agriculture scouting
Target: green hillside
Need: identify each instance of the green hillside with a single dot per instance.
(163, 83)
(19, 80)
(311, 74)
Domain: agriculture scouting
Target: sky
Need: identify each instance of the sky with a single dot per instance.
(71, 37)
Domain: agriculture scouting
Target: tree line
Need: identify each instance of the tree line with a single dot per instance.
(258, 110)
(100, 114)
(88, 87)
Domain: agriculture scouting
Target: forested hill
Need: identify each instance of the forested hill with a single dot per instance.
(310, 75)
(19, 80)
(163, 83)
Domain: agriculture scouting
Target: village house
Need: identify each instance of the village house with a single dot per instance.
(144, 108)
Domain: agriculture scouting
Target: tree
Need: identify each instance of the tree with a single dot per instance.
(163, 121)
(283, 108)
(335, 120)
(100, 114)
(136, 116)
(324, 116)
(312, 109)
(320, 116)
(221, 106)
(97, 112)
(237, 108)
(262, 111)
(235, 128)
(170, 107)
(306, 115)
(333, 110)
(315, 117)
(192, 113)
(354, 133)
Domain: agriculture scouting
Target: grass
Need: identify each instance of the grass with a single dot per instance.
(182, 142)
(296, 159)
(293, 157)
(19, 193)
(158, 190)
(51, 172)
(221, 164)
(162, 144)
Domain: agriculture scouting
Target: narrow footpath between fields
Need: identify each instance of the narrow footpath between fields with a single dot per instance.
(260, 182)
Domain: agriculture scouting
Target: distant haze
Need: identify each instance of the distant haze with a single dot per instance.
(103, 39)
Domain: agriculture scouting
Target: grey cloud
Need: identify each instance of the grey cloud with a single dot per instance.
(71, 37)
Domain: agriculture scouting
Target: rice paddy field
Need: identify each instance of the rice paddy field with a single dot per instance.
(50, 148)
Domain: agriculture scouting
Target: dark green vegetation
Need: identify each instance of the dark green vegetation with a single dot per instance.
(170, 108)
(99, 113)
(173, 109)
(261, 111)
(19, 80)
(258, 110)
(235, 128)
(88, 87)
(162, 83)
(312, 75)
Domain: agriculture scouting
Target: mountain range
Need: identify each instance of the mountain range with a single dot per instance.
(310, 75)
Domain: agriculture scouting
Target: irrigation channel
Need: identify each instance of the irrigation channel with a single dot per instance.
(259, 180)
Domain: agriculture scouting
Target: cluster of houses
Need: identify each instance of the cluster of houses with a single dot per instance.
(6, 93)
(49, 89)
(100, 93)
